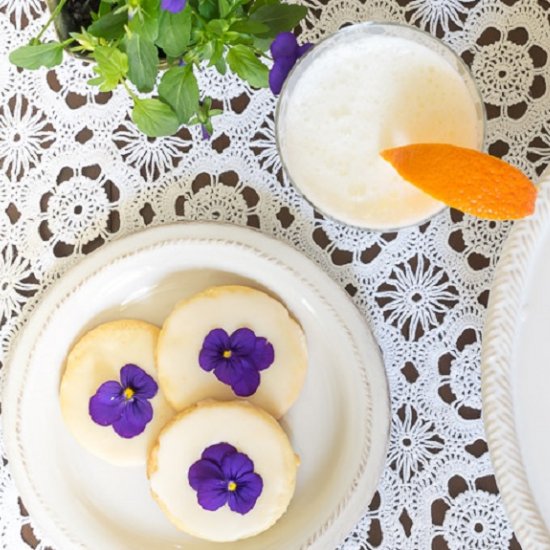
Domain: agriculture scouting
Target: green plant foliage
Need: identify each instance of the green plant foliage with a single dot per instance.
(130, 40)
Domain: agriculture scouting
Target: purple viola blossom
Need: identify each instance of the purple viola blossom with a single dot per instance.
(304, 48)
(284, 45)
(236, 360)
(173, 6)
(125, 405)
(225, 476)
(285, 52)
(205, 133)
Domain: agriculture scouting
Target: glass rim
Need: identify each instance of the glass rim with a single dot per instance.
(465, 74)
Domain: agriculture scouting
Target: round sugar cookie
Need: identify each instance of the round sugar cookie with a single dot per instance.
(262, 482)
(230, 311)
(98, 357)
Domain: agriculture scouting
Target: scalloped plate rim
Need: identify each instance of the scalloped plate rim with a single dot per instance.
(507, 291)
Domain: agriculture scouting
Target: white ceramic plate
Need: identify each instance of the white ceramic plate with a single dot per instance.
(339, 424)
(516, 375)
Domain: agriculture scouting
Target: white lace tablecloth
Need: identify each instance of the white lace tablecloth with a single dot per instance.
(75, 173)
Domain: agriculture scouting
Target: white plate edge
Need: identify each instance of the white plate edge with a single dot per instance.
(182, 231)
(499, 334)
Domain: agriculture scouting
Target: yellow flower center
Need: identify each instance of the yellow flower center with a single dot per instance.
(227, 354)
(128, 393)
(232, 486)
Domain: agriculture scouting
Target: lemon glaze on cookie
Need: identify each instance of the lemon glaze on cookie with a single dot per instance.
(97, 358)
(231, 309)
(251, 431)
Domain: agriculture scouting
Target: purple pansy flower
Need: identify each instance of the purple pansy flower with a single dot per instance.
(285, 52)
(174, 6)
(237, 359)
(225, 476)
(125, 405)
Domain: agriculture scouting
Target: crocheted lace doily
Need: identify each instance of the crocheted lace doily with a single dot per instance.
(75, 173)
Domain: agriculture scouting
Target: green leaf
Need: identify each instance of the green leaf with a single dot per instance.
(180, 90)
(221, 65)
(237, 7)
(154, 118)
(217, 27)
(38, 55)
(245, 64)
(217, 54)
(104, 8)
(111, 68)
(86, 42)
(224, 7)
(208, 9)
(260, 4)
(174, 32)
(279, 17)
(249, 26)
(145, 21)
(231, 37)
(205, 51)
(110, 26)
(143, 62)
(262, 44)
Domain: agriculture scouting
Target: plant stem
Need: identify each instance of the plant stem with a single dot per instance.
(53, 15)
(122, 8)
(130, 93)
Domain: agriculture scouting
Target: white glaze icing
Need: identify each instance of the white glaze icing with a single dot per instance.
(250, 430)
(184, 382)
(96, 358)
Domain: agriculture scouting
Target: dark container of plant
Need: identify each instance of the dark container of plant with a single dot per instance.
(76, 14)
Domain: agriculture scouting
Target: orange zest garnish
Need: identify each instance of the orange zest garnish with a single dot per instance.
(470, 181)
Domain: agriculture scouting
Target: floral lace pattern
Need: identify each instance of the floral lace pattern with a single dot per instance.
(75, 173)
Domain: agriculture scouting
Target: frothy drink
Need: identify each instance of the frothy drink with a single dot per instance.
(363, 91)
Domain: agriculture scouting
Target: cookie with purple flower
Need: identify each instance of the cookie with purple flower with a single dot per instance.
(234, 469)
(232, 342)
(109, 392)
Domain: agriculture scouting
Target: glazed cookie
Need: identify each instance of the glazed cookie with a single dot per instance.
(109, 395)
(235, 466)
(228, 342)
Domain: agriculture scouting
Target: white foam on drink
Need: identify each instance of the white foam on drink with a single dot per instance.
(356, 98)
